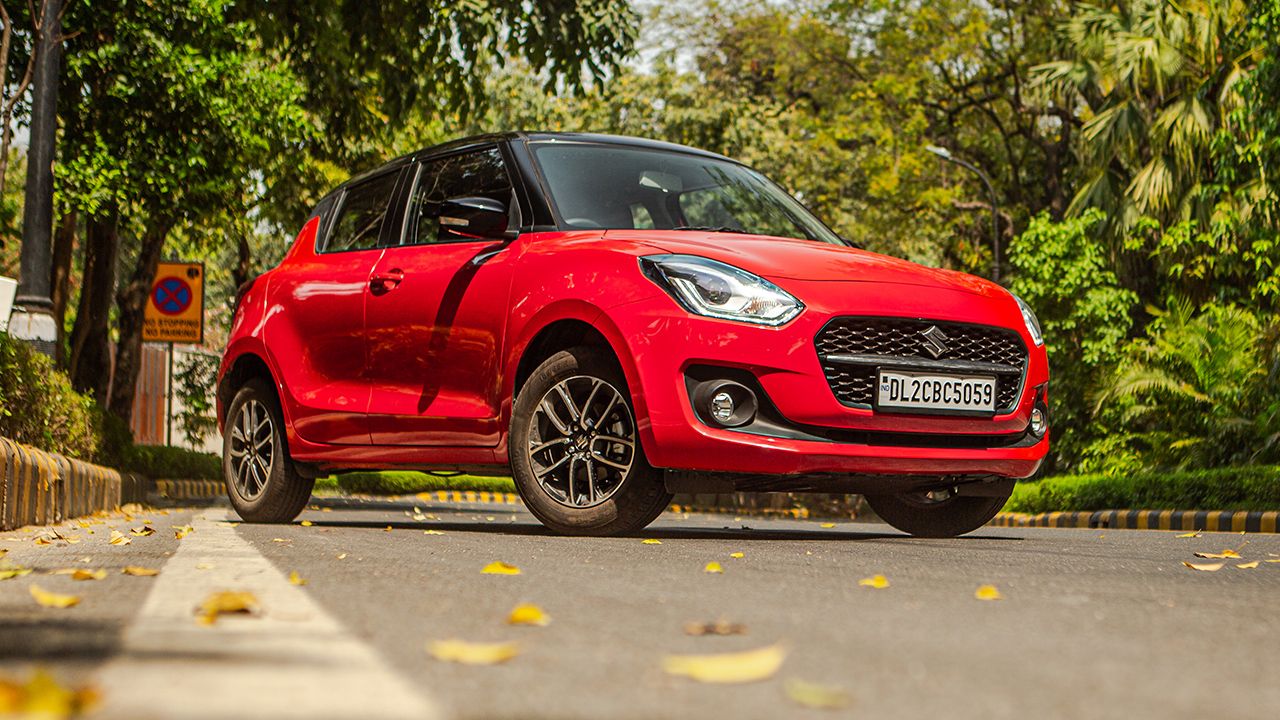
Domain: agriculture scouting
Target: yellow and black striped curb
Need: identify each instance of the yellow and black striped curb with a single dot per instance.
(797, 513)
(41, 488)
(470, 496)
(1209, 520)
(190, 489)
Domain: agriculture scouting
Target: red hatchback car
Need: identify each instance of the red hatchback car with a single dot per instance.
(612, 320)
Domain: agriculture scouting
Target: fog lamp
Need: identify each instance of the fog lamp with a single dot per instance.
(1037, 422)
(722, 407)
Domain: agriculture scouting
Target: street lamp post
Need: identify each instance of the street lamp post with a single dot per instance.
(945, 154)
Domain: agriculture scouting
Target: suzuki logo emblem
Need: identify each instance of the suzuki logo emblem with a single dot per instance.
(935, 341)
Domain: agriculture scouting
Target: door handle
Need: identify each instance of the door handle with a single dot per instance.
(386, 281)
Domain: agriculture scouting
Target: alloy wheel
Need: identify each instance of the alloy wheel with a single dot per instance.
(252, 449)
(582, 441)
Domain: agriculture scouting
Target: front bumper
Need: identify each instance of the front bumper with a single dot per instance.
(666, 344)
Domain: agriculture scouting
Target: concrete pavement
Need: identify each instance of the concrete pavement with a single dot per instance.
(1093, 623)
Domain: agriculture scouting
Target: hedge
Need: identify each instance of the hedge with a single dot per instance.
(39, 407)
(398, 482)
(1237, 488)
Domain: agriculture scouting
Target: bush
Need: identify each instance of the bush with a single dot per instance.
(407, 483)
(39, 407)
(154, 461)
(1255, 487)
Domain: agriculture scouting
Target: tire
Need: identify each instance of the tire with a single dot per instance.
(261, 490)
(580, 468)
(918, 515)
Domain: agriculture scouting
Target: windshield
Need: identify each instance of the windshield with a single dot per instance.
(615, 187)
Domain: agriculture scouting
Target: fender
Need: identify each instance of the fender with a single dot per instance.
(583, 311)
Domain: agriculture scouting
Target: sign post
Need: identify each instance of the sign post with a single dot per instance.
(175, 314)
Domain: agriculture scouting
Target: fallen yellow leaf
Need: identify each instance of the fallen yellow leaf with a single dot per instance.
(432, 532)
(305, 523)
(42, 540)
(139, 571)
(828, 525)
(205, 566)
(736, 555)
(713, 567)
(43, 697)
(469, 653)
(719, 627)
(651, 541)
(295, 578)
(1275, 561)
(86, 574)
(280, 540)
(342, 556)
(812, 695)
(181, 531)
(1248, 565)
(987, 592)
(1190, 535)
(326, 509)
(498, 567)
(879, 582)
(53, 600)
(142, 531)
(1206, 567)
(741, 667)
(226, 602)
(528, 615)
(1225, 554)
(386, 529)
(9, 571)
(118, 538)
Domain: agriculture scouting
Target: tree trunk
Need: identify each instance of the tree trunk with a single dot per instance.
(131, 303)
(90, 352)
(64, 243)
(244, 261)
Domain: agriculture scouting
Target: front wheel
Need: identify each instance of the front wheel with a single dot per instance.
(262, 483)
(575, 450)
(936, 513)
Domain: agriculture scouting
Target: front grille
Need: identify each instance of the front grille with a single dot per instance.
(854, 385)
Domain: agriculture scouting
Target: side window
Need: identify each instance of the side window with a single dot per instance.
(360, 217)
(475, 174)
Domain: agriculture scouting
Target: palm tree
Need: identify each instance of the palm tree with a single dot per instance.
(1201, 389)
(1153, 82)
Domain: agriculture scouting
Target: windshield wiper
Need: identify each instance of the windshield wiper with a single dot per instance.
(710, 228)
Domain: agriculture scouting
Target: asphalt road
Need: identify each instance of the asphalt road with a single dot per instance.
(1100, 624)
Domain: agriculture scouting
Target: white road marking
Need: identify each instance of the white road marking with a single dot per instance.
(293, 661)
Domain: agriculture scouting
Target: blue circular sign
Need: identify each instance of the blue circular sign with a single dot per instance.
(171, 296)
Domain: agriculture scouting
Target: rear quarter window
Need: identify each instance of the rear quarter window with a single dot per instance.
(361, 213)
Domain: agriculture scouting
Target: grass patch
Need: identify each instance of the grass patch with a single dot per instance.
(1236, 488)
(403, 482)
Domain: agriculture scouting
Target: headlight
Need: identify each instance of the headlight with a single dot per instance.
(1029, 317)
(714, 289)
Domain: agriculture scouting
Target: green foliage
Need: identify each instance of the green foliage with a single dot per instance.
(1200, 390)
(195, 379)
(1067, 278)
(159, 462)
(1231, 488)
(39, 407)
(406, 483)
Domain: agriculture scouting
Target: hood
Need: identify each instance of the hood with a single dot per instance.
(791, 259)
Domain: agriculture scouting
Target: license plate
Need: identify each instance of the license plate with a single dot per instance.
(935, 393)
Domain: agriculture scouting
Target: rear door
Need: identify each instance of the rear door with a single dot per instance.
(315, 327)
(435, 327)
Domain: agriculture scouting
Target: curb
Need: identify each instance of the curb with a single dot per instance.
(795, 513)
(41, 488)
(1205, 520)
(470, 496)
(189, 489)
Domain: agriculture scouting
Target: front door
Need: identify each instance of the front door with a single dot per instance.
(436, 312)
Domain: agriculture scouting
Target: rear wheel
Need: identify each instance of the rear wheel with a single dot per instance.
(575, 451)
(262, 483)
(936, 513)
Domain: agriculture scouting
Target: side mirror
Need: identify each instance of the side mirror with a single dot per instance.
(479, 217)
